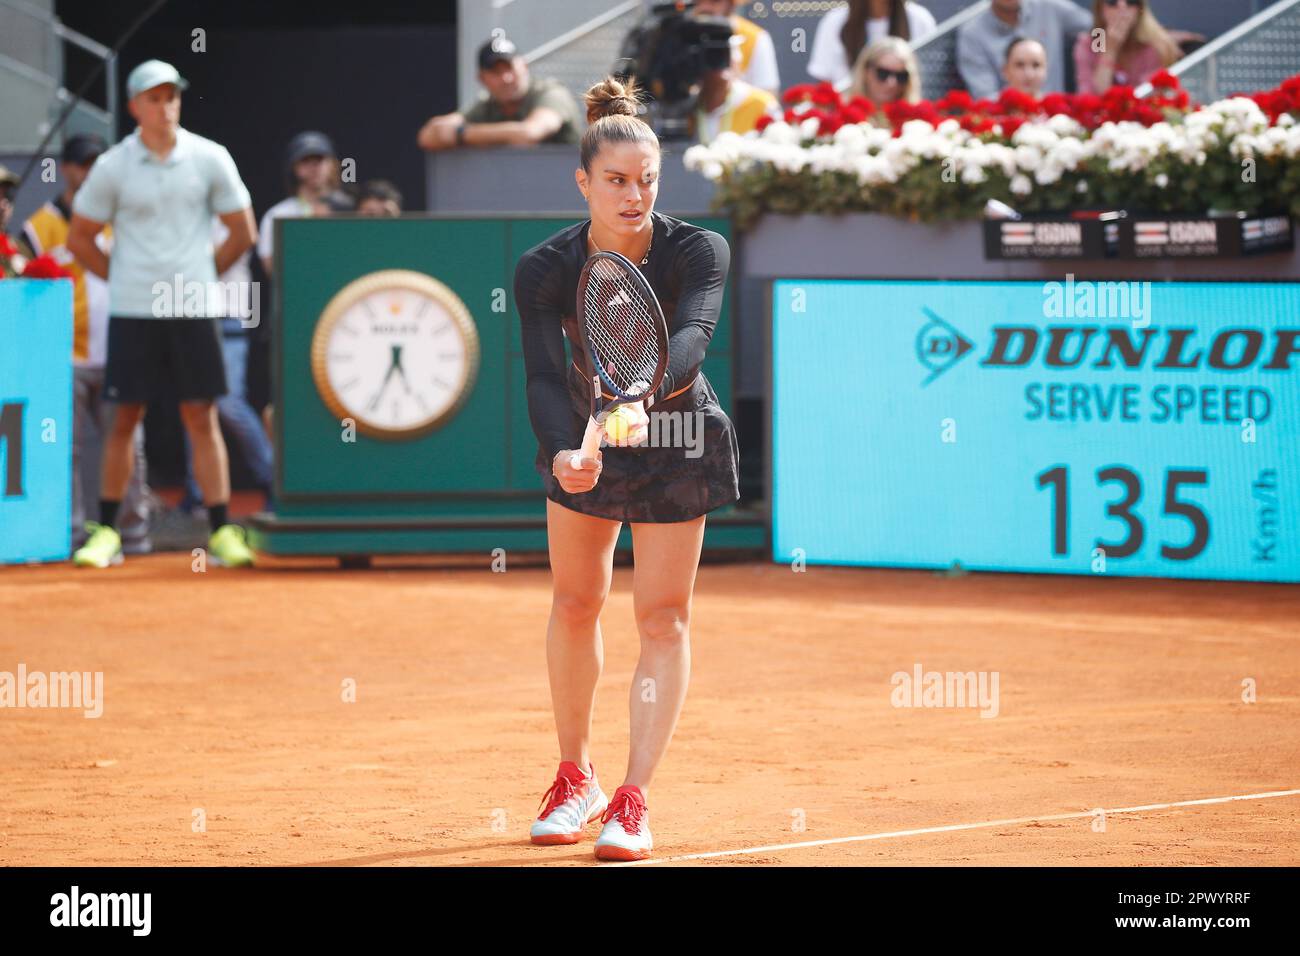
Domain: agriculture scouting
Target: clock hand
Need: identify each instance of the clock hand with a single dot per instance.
(401, 372)
(374, 402)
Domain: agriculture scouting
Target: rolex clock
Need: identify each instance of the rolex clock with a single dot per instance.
(395, 351)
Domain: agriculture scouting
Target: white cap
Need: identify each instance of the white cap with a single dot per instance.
(152, 73)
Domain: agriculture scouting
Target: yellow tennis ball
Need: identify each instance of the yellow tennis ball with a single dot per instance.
(619, 424)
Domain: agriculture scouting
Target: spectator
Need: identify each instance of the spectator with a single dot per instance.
(887, 72)
(1025, 69)
(379, 197)
(1127, 46)
(8, 183)
(757, 52)
(844, 32)
(157, 347)
(234, 412)
(516, 110)
(46, 233)
(982, 42)
(725, 103)
(312, 171)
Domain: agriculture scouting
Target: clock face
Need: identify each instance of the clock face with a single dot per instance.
(397, 352)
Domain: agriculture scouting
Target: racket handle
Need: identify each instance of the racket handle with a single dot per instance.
(590, 444)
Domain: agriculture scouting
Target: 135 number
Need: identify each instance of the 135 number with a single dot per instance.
(1058, 480)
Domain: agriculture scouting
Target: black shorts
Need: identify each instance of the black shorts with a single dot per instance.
(658, 483)
(176, 360)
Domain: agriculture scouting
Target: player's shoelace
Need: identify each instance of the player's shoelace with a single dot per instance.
(629, 811)
(561, 791)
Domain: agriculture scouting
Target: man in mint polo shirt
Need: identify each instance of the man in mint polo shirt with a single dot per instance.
(159, 189)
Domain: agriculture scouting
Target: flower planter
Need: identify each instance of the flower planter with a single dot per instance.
(875, 246)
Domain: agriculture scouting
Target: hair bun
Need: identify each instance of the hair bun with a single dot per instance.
(609, 97)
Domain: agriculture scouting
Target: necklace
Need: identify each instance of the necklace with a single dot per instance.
(644, 259)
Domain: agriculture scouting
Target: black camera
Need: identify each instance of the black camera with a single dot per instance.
(667, 54)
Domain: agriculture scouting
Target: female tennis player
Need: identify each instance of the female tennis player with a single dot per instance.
(663, 492)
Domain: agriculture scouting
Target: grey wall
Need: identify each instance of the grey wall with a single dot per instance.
(540, 179)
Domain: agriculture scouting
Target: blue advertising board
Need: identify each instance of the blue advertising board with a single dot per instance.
(1125, 428)
(35, 419)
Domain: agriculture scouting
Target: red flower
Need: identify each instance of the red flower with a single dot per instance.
(7, 248)
(1165, 80)
(798, 93)
(1055, 103)
(857, 102)
(824, 94)
(955, 100)
(45, 267)
(1015, 101)
(1012, 123)
(853, 114)
(763, 122)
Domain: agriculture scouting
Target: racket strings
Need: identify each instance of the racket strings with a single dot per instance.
(622, 328)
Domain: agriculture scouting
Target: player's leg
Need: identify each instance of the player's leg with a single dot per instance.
(667, 557)
(582, 568)
(582, 554)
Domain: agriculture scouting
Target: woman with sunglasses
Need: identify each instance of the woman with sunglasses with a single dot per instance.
(886, 71)
(1135, 47)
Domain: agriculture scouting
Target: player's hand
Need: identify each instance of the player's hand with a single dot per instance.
(638, 426)
(577, 480)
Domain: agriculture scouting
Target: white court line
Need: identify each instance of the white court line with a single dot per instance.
(956, 826)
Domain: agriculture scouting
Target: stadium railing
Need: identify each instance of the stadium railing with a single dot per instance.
(1256, 54)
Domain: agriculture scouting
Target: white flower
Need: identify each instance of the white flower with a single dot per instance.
(695, 155)
(1048, 173)
(781, 133)
(1021, 185)
(1027, 157)
(1162, 180)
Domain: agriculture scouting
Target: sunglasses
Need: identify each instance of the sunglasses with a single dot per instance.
(1128, 3)
(900, 76)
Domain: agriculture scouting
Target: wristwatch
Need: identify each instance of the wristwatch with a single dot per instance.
(460, 133)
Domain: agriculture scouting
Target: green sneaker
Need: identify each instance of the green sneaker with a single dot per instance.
(228, 546)
(102, 548)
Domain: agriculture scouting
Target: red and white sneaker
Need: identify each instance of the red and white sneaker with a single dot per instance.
(626, 835)
(573, 801)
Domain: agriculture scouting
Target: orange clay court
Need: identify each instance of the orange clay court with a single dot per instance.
(223, 693)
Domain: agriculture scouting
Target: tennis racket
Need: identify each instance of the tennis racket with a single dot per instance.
(621, 326)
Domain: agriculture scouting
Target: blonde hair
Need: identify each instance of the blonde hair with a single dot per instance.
(613, 110)
(871, 55)
(1147, 31)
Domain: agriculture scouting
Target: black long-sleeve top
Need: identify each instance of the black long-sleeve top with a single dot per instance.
(687, 270)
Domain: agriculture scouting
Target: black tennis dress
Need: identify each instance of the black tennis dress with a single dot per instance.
(654, 482)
